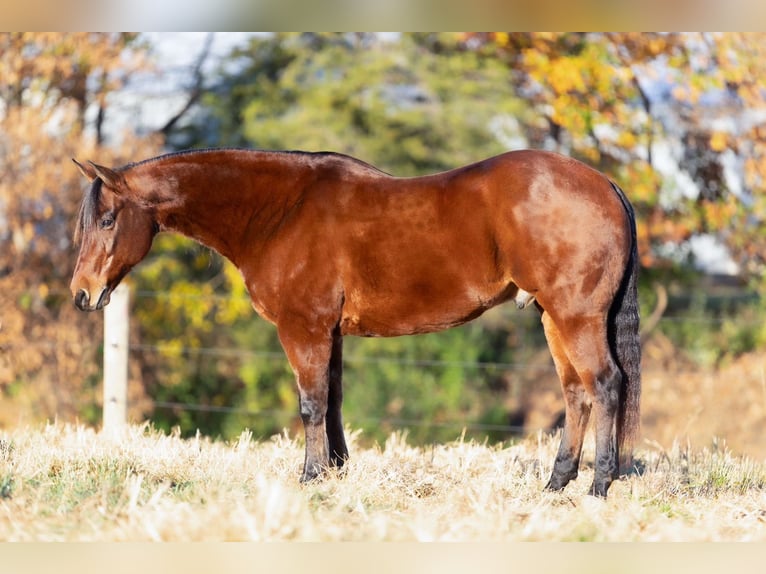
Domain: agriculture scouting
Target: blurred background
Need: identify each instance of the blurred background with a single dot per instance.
(678, 120)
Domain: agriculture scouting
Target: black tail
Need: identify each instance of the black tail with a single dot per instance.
(625, 343)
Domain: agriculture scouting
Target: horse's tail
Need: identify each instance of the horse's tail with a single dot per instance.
(625, 344)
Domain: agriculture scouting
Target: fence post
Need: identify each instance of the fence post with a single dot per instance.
(116, 321)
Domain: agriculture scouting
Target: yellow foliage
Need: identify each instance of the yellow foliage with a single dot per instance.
(718, 141)
(718, 215)
(502, 38)
(566, 75)
(627, 139)
(172, 348)
(591, 154)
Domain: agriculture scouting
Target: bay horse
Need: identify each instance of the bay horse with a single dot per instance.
(330, 246)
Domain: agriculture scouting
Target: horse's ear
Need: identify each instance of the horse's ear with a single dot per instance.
(87, 171)
(113, 180)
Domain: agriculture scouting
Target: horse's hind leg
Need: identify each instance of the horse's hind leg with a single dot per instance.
(607, 404)
(578, 407)
(585, 342)
(334, 422)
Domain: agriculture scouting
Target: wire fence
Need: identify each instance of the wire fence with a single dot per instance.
(517, 367)
(235, 353)
(397, 422)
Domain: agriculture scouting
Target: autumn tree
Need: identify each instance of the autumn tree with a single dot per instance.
(677, 119)
(53, 106)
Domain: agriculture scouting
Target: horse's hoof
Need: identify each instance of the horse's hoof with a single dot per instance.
(598, 491)
(312, 473)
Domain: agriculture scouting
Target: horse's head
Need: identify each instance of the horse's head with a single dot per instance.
(114, 232)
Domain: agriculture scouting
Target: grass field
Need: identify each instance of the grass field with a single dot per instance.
(70, 483)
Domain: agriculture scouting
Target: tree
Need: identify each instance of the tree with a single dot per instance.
(53, 105)
(405, 106)
(415, 105)
(644, 108)
(625, 101)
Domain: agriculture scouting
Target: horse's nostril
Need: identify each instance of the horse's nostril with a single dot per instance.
(82, 299)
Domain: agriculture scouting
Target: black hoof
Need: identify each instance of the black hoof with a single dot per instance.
(312, 474)
(554, 487)
(337, 461)
(558, 482)
(599, 490)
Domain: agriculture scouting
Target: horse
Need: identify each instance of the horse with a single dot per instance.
(330, 246)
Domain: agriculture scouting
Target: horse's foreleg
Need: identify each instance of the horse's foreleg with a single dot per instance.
(578, 407)
(309, 351)
(337, 441)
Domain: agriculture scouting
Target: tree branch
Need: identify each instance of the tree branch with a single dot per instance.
(197, 87)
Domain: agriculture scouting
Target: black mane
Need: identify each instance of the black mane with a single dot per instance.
(89, 207)
(88, 210)
(318, 154)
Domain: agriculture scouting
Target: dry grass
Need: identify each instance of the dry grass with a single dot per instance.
(69, 483)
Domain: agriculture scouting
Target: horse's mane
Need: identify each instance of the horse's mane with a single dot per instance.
(307, 154)
(88, 209)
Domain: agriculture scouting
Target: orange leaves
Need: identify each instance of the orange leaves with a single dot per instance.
(642, 183)
(610, 97)
(656, 45)
(742, 64)
(53, 66)
(718, 215)
(686, 93)
(45, 86)
(583, 87)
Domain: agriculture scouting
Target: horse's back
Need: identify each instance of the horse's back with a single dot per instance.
(439, 250)
(409, 255)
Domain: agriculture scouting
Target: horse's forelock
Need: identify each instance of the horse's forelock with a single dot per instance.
(88, 210)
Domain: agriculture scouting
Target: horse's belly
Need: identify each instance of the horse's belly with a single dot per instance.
(391, 315)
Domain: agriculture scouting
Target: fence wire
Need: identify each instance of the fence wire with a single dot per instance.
(247, 353)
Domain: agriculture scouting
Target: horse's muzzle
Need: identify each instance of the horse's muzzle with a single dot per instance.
(82, 300)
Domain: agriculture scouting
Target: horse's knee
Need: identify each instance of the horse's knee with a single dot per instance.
(313, 411)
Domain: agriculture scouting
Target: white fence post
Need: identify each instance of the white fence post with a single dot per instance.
(116, 321)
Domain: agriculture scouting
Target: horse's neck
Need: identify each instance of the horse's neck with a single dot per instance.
(219, 205)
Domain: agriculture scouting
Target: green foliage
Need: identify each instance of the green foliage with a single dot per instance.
(708, 328)
(429, 384)
(413, 106)
(175, 303)
(399, 105)
(418, 104)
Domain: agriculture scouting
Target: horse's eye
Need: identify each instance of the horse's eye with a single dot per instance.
(107, 222)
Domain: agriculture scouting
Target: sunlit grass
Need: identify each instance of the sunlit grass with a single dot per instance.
(71, 483)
